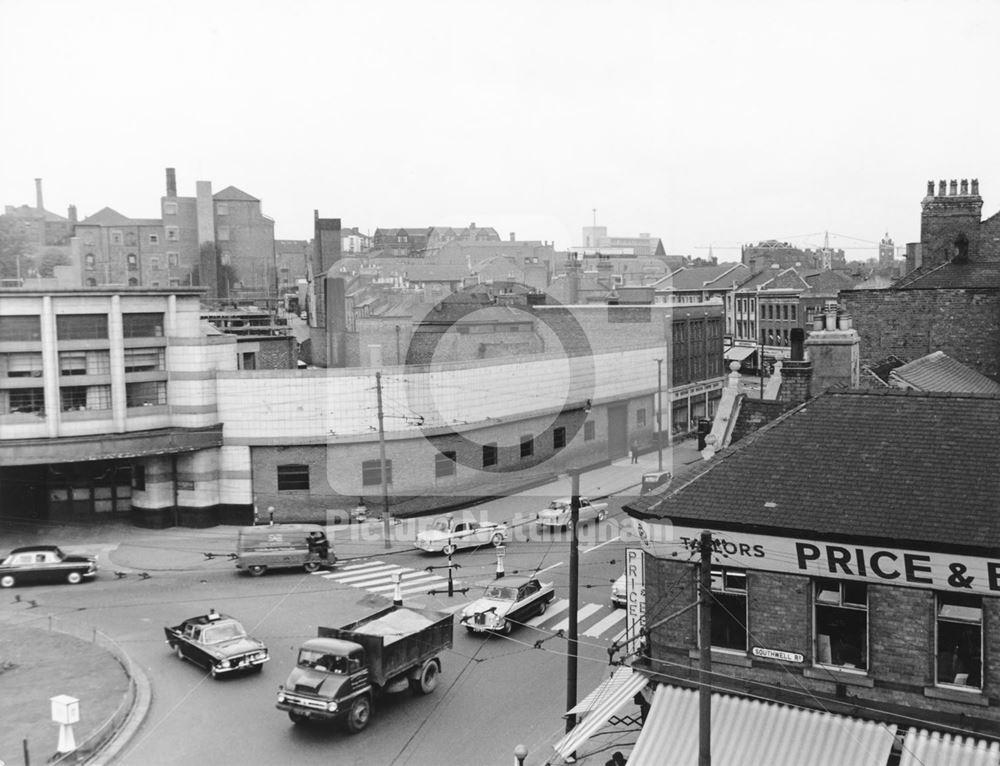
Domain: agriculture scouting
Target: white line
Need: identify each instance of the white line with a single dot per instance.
(582, 613)
(362, 566)
(425, 580)
(554, 609)
(367, 575)
(595, 547)
(595, 631)
(548, 568)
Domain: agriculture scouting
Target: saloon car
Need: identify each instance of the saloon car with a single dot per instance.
(217, 643)
(558, 513)
(507, 602)
(45, 563)
(460, 533)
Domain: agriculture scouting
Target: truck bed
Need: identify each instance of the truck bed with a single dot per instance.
(397, 638)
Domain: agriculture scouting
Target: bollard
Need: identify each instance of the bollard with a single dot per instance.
(520, 753)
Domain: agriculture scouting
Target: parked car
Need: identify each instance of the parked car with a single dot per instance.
(654, 480)
(505, 602)
(460, 533)
(217, 643)
(558, 513)
(619, 592)
(45, 563)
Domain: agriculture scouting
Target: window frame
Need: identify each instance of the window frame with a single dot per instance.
(292, 477)
(722, 588)
(850, 606)
(445, 464)
(974, 677)
(490, 454)
(559, 437)
(589, 430)
(527, 445)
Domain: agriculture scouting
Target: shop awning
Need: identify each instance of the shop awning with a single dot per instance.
(927, 748)
(598, 707)
(739, 353)
(748, 732)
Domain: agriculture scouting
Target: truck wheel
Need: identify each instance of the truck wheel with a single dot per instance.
(73, 578)
(7, 581)
(297, 718)
(428, 679)
(312, 566)
(257, 570)
(359, 714)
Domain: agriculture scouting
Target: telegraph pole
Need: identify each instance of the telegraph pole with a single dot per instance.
(381, 458)
(705, 652)
(574, 596)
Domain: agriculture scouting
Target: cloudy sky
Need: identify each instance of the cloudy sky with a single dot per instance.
(700, 122)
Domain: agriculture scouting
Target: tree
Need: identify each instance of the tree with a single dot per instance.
(49, 260)
(15, 250)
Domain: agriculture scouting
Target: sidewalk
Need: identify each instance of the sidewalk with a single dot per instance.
(128, 551)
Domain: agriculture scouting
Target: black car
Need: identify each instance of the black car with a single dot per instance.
(217, 643)
(45, 563)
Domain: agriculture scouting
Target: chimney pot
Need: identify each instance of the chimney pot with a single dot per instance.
(975, 186)
(964, 188)
(954, 188)
(942, 188)
(930, 188)
(512, 239)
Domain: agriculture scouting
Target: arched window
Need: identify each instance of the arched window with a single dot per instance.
(89, 261)
(961, 249)
(133, 282)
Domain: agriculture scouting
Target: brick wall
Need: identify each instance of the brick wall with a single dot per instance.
(963, 323)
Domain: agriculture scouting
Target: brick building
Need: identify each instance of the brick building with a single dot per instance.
(855, 564)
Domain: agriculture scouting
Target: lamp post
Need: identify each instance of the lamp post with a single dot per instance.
(659, 414)
(574, 596)
(381, 458)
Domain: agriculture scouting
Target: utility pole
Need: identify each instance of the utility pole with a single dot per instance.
(381, 458)
(705, 652)
(574, 595)
(659, 414)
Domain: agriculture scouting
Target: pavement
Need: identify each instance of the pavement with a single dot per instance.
(124, 550)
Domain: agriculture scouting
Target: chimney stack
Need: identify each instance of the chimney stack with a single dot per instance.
(964, 188)
(512, 239)
(71, 214)
(171, 183)
(38, 195)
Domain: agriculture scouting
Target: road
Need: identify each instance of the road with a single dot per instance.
(495, 691)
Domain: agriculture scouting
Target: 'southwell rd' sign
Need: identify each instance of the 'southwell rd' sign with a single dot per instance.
(868, 563)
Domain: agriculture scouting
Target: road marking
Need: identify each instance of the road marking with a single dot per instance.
(560, 605)
(548, 568)
(595, 547)
(375, 574)
(582, 613)
(596, 630)
(407, 584)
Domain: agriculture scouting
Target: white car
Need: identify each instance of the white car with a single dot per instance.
(619, 592)
(460, 533)
(506, 602)
(558, 513)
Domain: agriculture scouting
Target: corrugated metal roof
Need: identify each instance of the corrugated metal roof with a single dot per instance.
(748, 732)
(927, 748)
(939, 372)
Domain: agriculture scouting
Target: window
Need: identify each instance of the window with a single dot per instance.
(29, 400)
(146, 394)
(588, 431)
(154, 239)
(640, 417)
(489, 455)
(444, 464)
(249, 360)
(90, 261)
(20, 328)
(172, 260)
(527, 445)
(82, 326)
(171, 232)
(371, 472)
(21, 365)
(116, 237)
(729, 609)
(170, 208)
(154, 263)
(143, 359)
(793, 311)
(133, 282)
(85, 398)
(91, 282)
(139, 477)
(959, 638)
(291, 477)
(842, 624)
(133, 262)
(221, 208)
(223, 233)
(142, 325)
(559, 437)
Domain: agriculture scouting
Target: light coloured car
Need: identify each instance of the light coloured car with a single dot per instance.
(450, 533)
(619, 592)
(558, 513)
(507, 602)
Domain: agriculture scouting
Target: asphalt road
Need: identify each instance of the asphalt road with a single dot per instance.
(495, 692)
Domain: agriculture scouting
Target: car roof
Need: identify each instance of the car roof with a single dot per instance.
(34, 549)
(211, 618)
(516, 581)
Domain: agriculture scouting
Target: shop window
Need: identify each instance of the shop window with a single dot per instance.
(371, 472)
(26, 400)
(729, 609)
(959, 640)
(527, 445)
(146, 394)
(842, 624)
(559, 437)
(20, 328)
(489, 455)
(142, 325)
(640, 417)
(588, 431)
(144, 359)
(444, 464)
(292, 477)
(82, 326)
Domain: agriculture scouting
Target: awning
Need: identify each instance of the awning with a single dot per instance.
(748, 732)
(926, 748)
(598, 707)
(739, 353)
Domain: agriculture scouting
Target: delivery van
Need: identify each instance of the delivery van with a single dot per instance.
(283, 546)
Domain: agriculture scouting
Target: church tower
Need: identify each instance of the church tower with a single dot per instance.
(886, 252)
(949, 224)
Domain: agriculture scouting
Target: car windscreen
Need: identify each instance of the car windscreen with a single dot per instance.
(215, 634)
(495, 591)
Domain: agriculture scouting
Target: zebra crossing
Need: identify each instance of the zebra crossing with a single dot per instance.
(600, 621)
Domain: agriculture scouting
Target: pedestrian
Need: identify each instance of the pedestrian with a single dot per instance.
(635, 451)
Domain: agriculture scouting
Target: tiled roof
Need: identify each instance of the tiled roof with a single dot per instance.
(231, 193)
(698, 277)
(953, 275)
(939, 372)
(914, 469)
(106, 217)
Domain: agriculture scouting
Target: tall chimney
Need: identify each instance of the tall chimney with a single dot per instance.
(71, 214)
(171, 183)
(38, 195)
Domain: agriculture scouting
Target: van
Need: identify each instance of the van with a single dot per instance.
(283, 546)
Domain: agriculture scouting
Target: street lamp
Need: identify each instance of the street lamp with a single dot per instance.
(659, 414)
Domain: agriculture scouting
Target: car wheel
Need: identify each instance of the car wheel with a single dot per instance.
(311, 566)
(602, 515)
(359, 714)
(542, 607)
(449, 549)
(497, 540)
(257, 570)
(297, 718)
(179, 652)
(508, 626)
(74, 578)
(7, 581)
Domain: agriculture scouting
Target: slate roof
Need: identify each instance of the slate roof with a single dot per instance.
(952, 275)
(884, 467)
(939, 372)
(700, 277)
(106, 216)
(231, 193)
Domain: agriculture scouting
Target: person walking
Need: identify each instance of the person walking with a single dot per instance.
(635, 451)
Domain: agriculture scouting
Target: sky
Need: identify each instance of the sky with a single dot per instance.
(702, 123)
